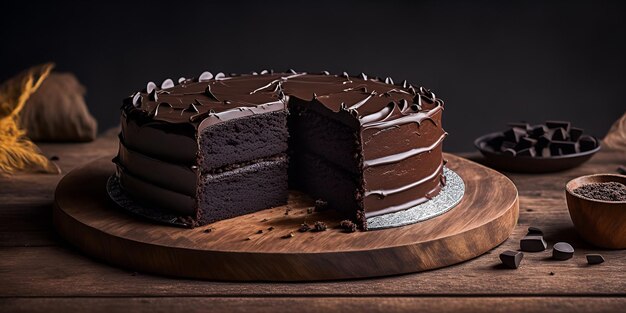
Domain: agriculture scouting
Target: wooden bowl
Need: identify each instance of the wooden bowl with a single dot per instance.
(528, 164)
(602, 223)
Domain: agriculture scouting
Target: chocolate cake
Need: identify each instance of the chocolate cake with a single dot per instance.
(221, 146)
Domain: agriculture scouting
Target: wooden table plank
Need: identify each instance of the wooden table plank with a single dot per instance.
(315, 304)
(59, 271)
(34, 262)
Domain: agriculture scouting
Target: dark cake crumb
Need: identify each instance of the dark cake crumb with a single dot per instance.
(609, 191)
(320, 226)
(208, 230)
(264, 220)
(551, 273)
(290, 235)
(320, 205)
(271, 228)
(54, 158)
(304, 227)
(348, 226)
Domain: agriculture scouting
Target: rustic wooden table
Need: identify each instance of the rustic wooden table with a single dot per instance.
(41, 272)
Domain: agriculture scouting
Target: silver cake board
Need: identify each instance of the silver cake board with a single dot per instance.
(449, 196)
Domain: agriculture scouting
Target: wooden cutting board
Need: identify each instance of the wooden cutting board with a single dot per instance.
(235, 249)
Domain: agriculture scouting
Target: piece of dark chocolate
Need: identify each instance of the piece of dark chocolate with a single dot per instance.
(320, 226)
(587, 143)
(537, 131)
(535, 231)
(304, 227)
(558, 124)
(575, 133)
(527, 152)
(511, 259)
(543, 141)
(533, 243)
(559, 134)
(514, 134)
(566, 147)
(525, 143)
(562, 251)
(522, 125)
(593, 259)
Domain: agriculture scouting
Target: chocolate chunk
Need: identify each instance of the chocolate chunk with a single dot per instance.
(347, 226)
(535, 231)
(168, 83)
(543, 141)
(537, 131)
(593, 259)
(559, 134)
(558, 124)
(520, 125)
(320, 205)
(320, 226)
(525, 143)
(533, 243)
(137, 99)
(565, 147)
(527, 152)
(575, 133)
(587, 143)
(554, 150)
(150, 87)
(304, 227)
(511, 259)
(514, 134)
(205, 76)
(495, 142)
(562, 251)
(54, 158)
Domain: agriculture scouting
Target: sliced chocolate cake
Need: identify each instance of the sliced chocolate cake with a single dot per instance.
(221, 146)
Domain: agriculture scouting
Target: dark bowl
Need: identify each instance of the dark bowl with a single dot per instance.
(527, 164)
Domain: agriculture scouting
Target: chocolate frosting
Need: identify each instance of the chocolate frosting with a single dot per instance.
(399, 124)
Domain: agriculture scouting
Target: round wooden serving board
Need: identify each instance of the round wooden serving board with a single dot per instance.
(235, 250)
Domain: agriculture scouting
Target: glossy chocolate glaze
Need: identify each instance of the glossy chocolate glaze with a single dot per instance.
(399, 125)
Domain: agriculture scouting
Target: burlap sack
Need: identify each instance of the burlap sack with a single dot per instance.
(57, 111)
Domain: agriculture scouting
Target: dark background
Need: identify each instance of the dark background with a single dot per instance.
(491, 61)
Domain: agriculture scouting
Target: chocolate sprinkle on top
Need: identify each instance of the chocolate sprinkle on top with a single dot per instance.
(205, 76)
(150, 87)
(168, 83)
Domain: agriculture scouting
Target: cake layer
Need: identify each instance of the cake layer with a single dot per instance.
(176, 143)
(325, 181)
(243, 190)
(312, 132)
(155, 196)
(172, 176)
(243, 139)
